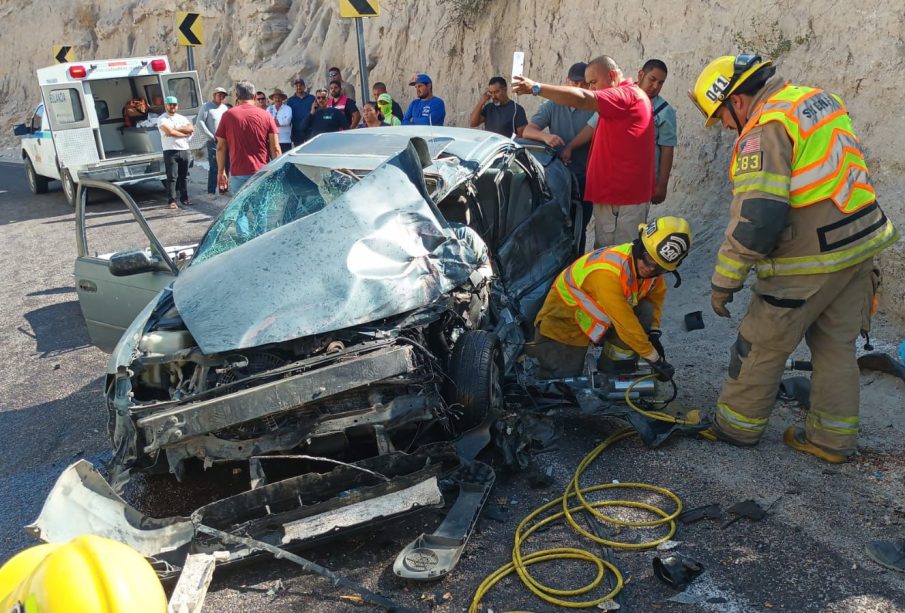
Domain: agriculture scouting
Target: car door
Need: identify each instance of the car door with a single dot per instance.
(536, 237)
(109, 302)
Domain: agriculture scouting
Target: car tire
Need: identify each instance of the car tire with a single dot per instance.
(70, 187)
(475, 385)
(36, 182)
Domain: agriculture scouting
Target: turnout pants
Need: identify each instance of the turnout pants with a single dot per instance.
(829, 311)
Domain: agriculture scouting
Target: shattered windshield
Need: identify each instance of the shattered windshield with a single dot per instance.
(279, 196)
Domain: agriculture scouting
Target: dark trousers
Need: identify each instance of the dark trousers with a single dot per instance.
(212, 166)
(176, 164)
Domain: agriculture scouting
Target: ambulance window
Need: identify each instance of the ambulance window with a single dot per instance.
(184, 89)
(66, 106)
(36, 120)
(153, 95)
(100, 107)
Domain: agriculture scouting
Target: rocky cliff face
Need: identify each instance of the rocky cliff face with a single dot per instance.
(855, 51)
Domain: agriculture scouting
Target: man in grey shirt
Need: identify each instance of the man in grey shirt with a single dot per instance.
(564, 124)
(207, 121)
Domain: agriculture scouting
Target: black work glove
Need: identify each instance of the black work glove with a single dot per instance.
(663, 369)
(654, 337)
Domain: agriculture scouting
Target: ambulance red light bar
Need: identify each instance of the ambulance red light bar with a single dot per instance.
(158, 65)
(78, 72)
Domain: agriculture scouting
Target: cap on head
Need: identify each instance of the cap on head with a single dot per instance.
(421, 78)
(576, 71)
(667, 240)
(170, 100)
(719, 79)
(385, 98)
(277, 93)
(298, 81)
(220, 90)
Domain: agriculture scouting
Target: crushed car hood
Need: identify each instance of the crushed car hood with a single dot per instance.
(379, 250)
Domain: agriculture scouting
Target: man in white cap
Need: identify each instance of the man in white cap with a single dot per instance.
(175, 132)
(207, 121)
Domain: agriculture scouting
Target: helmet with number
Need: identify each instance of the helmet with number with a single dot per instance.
(719, 79)
(89, 573)
(667, 240)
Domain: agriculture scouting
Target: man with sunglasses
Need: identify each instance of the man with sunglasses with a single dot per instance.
(804, 215)
(323, 117)
(612, 296)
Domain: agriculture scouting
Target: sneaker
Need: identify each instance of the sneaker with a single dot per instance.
(794, 437)
(890, 554)
(186, 202)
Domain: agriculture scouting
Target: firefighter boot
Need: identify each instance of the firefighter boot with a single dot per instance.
(794, 437)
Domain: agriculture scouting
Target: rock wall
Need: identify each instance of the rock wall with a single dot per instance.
(856, 51)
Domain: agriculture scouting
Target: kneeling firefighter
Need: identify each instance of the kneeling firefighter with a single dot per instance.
(89, 574)
(612, 296)
(804, 215)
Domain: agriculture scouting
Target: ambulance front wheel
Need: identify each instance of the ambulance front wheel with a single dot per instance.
(69, 187)
(36, 182)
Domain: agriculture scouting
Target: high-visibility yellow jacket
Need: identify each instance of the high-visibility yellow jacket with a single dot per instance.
(597, 292)
(803, 202)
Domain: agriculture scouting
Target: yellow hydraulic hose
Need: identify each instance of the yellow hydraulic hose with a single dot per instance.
(520, 562)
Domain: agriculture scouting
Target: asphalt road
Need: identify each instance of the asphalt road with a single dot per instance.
(805, 556)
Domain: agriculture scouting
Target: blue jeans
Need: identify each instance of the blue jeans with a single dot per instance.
(212, 164)
(237, 181)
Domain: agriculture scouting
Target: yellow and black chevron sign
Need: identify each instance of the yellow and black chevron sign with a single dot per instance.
(188, 29)
(63, 54)
(359, 8)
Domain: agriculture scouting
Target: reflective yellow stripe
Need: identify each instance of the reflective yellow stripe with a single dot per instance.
(754, 425)
(730, 268)
(833, 423)
(828, 262)
(768, 182)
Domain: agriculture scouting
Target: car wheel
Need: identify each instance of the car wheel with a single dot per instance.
(36, 182)
(69, 187)
(475, 385)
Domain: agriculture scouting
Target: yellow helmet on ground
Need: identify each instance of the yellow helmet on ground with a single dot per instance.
(667, 240)
(87, 574)
(719, 79)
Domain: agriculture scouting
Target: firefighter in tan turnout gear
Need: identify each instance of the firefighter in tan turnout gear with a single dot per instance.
(804, 216)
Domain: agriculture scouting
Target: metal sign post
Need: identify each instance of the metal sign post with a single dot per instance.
(356, 9)
(362, 61)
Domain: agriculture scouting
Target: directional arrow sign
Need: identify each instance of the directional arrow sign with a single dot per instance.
(63, 54)
(359, 8)
(188, 29)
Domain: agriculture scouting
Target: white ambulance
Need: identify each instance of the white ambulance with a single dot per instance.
(81, 129)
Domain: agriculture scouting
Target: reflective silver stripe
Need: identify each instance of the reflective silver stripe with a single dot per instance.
(841, 140)
(739, 421)
(585, 302)
(832, 423)
(596, 332)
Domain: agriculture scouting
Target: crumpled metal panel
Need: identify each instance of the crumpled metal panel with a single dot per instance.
(378, 250)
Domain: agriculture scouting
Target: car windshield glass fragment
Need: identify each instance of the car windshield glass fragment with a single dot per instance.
(279, 196)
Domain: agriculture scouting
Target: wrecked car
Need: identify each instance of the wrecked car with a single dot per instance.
(361, 293)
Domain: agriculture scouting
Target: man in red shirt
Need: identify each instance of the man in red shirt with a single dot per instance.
(248, 133)
(620, 174)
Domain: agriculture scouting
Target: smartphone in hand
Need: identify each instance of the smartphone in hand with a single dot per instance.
(518, 63)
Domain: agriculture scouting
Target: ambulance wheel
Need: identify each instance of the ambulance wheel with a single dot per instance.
(69, 187)
(36, 182)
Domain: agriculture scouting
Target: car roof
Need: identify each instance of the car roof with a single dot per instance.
(368, 148)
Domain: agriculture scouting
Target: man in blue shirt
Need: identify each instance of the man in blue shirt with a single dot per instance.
(301, 104)
(427, 109)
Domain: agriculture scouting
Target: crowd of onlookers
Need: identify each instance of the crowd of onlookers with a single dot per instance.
(243, 137)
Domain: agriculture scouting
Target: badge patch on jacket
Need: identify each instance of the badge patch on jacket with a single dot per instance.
(750, 157)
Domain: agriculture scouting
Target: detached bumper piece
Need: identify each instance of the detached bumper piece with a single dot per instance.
(433, 556)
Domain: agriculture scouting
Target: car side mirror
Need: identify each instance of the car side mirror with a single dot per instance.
(21, 129)
(133, 262)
